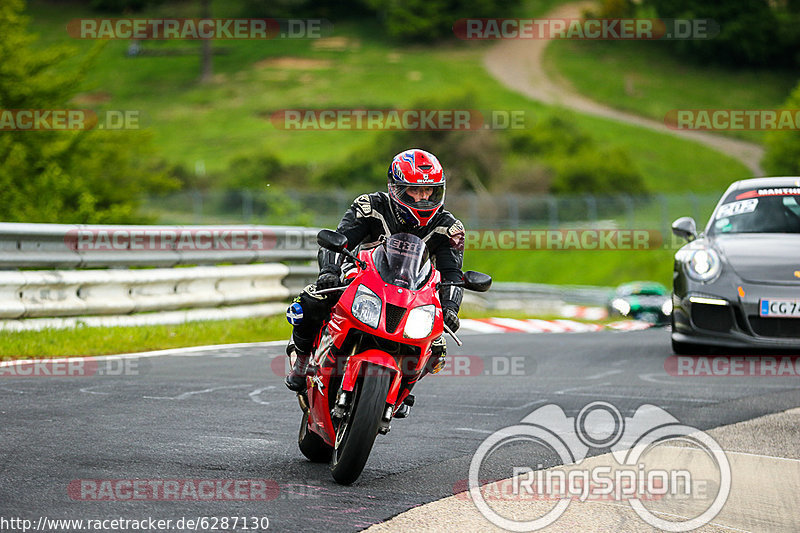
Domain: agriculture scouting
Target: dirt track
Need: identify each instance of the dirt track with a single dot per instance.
(518, 64)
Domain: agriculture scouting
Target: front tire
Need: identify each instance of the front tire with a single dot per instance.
(312, 445)
(357, 431)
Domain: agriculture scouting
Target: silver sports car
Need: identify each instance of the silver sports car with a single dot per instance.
(738, 283)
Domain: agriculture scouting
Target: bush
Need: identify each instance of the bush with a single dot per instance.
(598, 172)
(783, 146)
(554, 135)
(752, 32)
(555, 155)
(122, 6)
(428, 20)
(610, 9)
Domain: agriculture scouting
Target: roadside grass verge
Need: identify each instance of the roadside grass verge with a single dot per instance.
(105, 341)
(102, 341)
(645, 78)
(573, 267)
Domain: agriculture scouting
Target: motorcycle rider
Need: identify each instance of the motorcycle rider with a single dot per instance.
(414, 204)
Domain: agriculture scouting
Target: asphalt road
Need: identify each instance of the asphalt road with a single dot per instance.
(225, 415)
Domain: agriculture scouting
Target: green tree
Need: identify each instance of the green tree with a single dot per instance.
(754, 32)
(86, 176)
(428, 20)
(783, 146)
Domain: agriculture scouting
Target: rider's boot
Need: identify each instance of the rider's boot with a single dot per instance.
(296, 380)
(405, 409)
(438, 354)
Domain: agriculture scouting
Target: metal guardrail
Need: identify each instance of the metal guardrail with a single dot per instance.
(55, 293)
(95, 246)
(85, 273)
(571, 294)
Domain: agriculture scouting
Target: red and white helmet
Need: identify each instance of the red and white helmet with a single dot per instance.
(416, 186)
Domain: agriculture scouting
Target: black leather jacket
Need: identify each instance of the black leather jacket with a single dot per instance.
(371, 219)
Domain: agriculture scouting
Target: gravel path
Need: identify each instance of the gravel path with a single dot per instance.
(518, 64)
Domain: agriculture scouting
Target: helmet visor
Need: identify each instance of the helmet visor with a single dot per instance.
(421, 197)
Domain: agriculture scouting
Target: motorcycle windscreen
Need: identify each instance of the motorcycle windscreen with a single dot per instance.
(403, 261)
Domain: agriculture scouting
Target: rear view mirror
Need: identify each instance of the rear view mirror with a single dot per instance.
(477, 281)
(331, 240)
(685, 228)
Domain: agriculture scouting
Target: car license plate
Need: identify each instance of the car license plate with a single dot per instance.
(780, 308)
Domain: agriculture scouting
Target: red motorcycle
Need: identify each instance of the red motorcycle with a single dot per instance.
(376, 343)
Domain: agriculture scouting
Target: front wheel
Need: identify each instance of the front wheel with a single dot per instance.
(312, 445)
(357, 431)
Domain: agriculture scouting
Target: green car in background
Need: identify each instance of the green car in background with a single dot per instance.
(648, 301)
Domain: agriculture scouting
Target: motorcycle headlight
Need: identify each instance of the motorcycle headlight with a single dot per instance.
(419, 323)
(367, 307)
(703, 265)
(666, 307)
(622, 306)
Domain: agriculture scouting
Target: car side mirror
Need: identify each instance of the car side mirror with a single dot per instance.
(331, 240)
(685, 228)
(477, 281)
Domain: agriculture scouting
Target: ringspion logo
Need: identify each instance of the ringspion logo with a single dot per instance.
(641, 467)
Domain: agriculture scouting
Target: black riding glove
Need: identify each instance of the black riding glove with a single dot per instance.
(326, 280)
(451, 318)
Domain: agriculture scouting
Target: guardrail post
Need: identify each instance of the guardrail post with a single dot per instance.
(197, 206)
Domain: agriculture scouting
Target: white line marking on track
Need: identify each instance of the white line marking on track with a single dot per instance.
(677, 380)
(157, 353)
(604, 374)
(572, 389)
(192, 393)
(88, 391)
(256, 393)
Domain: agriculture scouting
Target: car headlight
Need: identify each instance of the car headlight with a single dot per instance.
(419, 323)
(622, 306)
(367, 307)
(666, 307)
(703, 265)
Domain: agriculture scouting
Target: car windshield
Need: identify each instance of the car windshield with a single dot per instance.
(403, 261)
(758, 211)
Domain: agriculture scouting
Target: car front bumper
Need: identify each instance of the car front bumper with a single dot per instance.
(729, 319)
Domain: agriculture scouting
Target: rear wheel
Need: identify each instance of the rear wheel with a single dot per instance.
(357, 430)
(312, 445)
